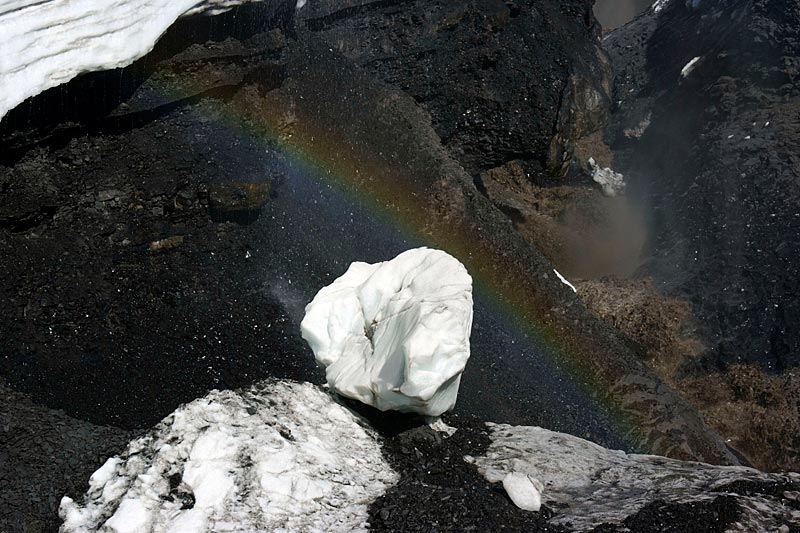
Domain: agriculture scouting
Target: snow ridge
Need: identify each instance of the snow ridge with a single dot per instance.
(49, 42)
(280, 456)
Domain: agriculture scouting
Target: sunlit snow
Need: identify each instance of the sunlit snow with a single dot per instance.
(49, 42)
(280, 456)
(565, 281)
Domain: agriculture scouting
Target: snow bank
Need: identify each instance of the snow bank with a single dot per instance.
(395, 335)
(280, 456)
(591, 485)
(612, 183)
(49, 42)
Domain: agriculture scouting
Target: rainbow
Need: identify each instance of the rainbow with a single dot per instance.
(432, 213)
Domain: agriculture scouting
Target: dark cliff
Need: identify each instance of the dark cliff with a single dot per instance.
(711, 152)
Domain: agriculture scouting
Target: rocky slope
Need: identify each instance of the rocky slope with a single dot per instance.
(138, 192)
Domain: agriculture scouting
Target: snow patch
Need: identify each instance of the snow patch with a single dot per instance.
(612, 183)
(49, 42)
(279, 456)
(659, 5)
(565, 281)
(439, 425)
(591, 485)
(689, 67)
(395, 335)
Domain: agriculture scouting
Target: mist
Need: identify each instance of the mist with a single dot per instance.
(615, 13)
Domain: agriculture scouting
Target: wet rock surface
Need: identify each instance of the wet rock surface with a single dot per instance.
(128, 291)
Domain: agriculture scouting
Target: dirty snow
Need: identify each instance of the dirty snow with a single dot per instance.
(590, 485)
(279, 456)
(612, 183)
(395, 335)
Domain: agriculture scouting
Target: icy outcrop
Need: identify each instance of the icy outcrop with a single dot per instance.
(591, 485)
(395, 335)
(49, 42)
(279, 456)
(612, 183)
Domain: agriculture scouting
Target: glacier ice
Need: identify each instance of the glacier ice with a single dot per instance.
(280, 456)
(591, 485)
(395, 335)
(49, 42)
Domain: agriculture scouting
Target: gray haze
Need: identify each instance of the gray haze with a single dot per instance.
(614, 13)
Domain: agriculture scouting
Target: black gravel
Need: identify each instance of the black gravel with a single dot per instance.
(45, 455)
(439, 491)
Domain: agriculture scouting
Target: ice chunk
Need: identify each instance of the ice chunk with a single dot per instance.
(395, 335)
(279, 456)
(49, 42)
(524, 491)
(612, 183)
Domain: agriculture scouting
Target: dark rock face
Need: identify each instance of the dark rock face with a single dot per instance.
(502, 80)
(712, 155)
(126, 285)
(169, 303)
